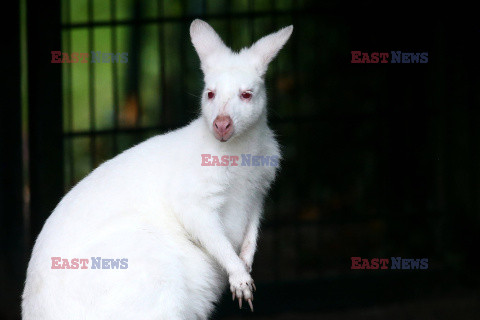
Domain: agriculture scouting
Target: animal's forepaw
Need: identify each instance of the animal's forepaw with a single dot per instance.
(242, 288)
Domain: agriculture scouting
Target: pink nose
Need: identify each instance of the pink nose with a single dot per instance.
(223, 127)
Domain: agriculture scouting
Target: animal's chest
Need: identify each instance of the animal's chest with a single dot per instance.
(235, 218)
(245, 196)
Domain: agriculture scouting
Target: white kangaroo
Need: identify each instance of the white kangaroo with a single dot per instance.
(182, 229)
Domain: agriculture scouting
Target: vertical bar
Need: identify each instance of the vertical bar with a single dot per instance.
(273, 102)
(137, 34)
(116, 103)
(69, 145)
(12, 241)
(274, 64)
(24, 115)
(161, 33)
(91, 86)
(229, 26)
(183, 61)
(251, 21)
(45, 111)
(204, 7)
(300, 184)
(474, 134)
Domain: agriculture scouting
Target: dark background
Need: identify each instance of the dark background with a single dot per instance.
(380, 160)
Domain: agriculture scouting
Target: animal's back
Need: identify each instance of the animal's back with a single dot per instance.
(117, 212)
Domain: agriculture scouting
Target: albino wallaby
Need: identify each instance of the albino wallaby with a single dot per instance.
(153, 234)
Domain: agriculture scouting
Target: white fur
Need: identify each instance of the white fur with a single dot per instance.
(185, 228)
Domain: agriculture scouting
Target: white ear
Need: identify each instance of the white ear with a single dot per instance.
(267, 47)
(206, 41)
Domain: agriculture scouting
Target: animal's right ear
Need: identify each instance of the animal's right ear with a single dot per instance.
(206, 41)
(267, 48)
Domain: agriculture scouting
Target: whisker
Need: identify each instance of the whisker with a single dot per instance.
(193, 95)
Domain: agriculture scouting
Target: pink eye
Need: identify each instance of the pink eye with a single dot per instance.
(211, 94)
(246, 95)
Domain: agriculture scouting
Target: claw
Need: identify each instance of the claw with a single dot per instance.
(254, 288)
(233, 296)
(240, 303)
(250, 304)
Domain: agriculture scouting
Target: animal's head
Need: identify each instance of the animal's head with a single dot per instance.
(234, 97)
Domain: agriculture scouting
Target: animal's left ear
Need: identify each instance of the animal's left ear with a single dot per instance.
(207, 43)
(267, 47)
